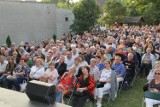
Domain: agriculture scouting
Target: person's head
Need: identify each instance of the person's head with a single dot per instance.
(27, 55)
(148, 50)
(14, 54)
(2, 50)
(10, 60)
(39, 51)
(85, 70)
(88, 51)
(81, 58)
(157, 65)
(117, 59)
(130, 57)
(93, 62)
(51, 65)
(32, 48)
(76, 61)
(69, 54)
(157, 74)
(98, 58)
(23, 61)
(6, 53)
(64, 51)
(61, 59)
(107, 63)
(74, 50)
(72, 70)
(38, 62)
(1, 58)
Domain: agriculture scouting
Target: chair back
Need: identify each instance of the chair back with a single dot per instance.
(152, 95)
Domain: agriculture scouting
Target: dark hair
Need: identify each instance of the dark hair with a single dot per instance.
(88, 69)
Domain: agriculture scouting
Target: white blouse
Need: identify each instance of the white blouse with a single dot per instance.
(37, 72)
(105, 75)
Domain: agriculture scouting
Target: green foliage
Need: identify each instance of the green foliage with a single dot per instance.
(8, 41)
(86, 13)
(148, 9)
(115, 11)
(65, 5)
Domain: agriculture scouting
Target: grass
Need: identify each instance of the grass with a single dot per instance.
(127, 98)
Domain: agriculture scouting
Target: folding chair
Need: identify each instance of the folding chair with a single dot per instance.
(151, 95)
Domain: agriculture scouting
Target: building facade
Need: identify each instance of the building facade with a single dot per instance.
(28, 21)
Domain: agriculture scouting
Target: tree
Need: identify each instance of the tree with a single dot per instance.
(86, 13)
(8, 41)
(148, 9)
(114, 11)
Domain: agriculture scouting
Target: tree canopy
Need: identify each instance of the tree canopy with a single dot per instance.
(86, 13)
(115, 10)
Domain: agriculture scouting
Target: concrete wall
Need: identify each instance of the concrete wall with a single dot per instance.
(62, 23)
(27, 21)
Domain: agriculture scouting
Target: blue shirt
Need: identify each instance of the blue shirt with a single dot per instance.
(119, 69)
(100, 66)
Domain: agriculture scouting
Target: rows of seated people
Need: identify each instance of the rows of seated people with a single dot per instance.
(85, 62)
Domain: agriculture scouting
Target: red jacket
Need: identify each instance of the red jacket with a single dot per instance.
(91, 86)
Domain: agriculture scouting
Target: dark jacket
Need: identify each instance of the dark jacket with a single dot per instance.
(90, 87)
(62, 68)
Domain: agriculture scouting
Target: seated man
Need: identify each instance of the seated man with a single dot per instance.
(119, 68)
(3, 64)
(130, 69)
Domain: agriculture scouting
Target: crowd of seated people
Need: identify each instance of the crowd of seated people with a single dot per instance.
(84, 58)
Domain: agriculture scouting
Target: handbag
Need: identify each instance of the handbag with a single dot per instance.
(80, 94)
(23, 85)
(100, 84)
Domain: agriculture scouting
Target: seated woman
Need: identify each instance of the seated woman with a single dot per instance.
(67, 81)
(85, 88)
(50, 75)
(105, 80)
(37, 71)
(154, 86)
(20, 74)
(150, 76)
(94, 69)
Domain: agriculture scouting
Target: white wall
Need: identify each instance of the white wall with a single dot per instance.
(27, 21)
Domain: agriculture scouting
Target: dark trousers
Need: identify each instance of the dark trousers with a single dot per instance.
(3, 81)
(145, 68)
(15, 83)
(129, 77)
(79, 101)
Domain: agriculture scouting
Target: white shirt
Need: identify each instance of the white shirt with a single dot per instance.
(3, 66)
(37, 71)
(69, 62)
(77, 68)
(54, 74)
(106, 74)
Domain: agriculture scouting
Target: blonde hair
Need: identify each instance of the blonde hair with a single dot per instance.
(51, 63)
(40, 60)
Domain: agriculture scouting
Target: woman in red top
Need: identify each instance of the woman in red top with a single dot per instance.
(85, 88)
(67, 82)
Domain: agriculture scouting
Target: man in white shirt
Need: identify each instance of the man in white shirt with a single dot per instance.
(3, 64)
(69, 60)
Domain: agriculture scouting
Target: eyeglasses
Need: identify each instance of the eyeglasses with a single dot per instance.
(157, 73)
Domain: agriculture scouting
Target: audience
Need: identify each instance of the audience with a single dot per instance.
(125, 45)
